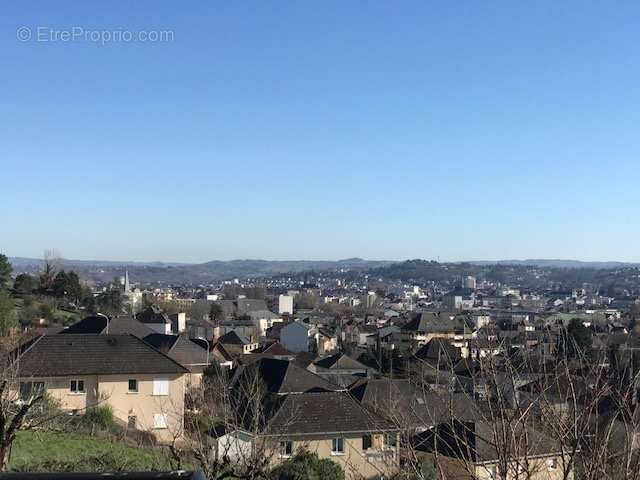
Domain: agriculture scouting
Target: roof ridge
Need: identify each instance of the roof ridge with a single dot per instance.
(156, 350)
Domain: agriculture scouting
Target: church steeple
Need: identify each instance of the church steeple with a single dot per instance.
(127, 287)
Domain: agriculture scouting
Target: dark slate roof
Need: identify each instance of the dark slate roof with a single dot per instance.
(438, 349)
(282, 377)
(340, 361)
(433, 322)
(88, 354)
(153, 314)
(117, 326)
(342, 380)
(324, 413)
(403, 401)
(220, 353)
(303, 359)
(232, 338)
(246, 305)
(93, 324)
(128, 325)
(180, 348)
(476, 441)
(274, 349)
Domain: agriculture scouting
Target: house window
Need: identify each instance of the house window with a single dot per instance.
(286, 449)
(337, 446)
(77, 386)
(159, 420)
(366, 442)
(132, 422)
(389, 441)
(28, 390)
(133, 385)
(552, 463)
(160, 386)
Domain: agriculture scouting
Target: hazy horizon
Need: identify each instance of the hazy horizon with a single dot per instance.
(489, 260)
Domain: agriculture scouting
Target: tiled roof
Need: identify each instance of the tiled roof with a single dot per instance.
(89, 354)
(178, 347)
(232, 338)
(282, 377)
(433, 322)
(438, 349)
(153, 315)
(404, 401)
(116, 326)
(340, 361)
(324, 413)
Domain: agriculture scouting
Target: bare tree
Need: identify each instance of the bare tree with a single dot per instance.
(224, 426)
(14, 408)
(51, 265)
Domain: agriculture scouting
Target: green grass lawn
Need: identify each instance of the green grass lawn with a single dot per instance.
(52, 451)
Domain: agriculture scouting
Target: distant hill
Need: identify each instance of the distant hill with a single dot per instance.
(557, 263)
(151, 272)
(513, 272)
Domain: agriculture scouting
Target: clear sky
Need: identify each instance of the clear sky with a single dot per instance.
(449, 130)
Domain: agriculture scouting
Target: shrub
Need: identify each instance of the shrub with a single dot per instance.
(307, 466)
(100, 417)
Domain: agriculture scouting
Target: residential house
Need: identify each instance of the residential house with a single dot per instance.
(340, 369)
(235, 345)
(294, 336)
(154, 318)
(263, 320)
(423, 326)
(474, 448)
(307, 412)
(186, 352)
(144, 387)
(326, 341)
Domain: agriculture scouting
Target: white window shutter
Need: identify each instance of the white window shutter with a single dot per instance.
(160, 386)
(159, 420)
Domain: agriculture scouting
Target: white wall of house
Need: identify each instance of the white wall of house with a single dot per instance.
(237, 446)
(285, 304)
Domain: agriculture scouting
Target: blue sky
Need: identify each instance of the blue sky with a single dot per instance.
(449, 130)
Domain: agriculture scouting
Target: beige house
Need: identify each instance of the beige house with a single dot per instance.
(144, 387)
(304, 411)
(472, 450)
(336, 427)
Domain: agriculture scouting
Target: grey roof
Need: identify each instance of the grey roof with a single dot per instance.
(246, 305)
(178, 347)
(433, 322)
(283, 377)
(153, 315)
(116, 325)
(405, 402)
(259, 314)
(89, 354)
(324, 413)
(438, 349)
(476, 441)
(340, 361)
(232, 338)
